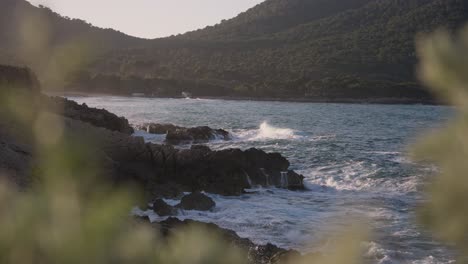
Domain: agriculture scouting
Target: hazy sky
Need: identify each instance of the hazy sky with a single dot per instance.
(150, 18)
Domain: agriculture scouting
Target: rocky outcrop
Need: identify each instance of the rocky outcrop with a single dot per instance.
(196, 201)
(161, 208)
(254, 254)
(96, 117)
(225, 172)
(178, 135)
(127, 158)
(196, 135)
(158, 129)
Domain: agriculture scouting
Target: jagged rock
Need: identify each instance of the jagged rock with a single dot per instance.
(96, 117)
(294, 181)
(225, 172)
(163, 209)
(178, 135)
(196, 134)
(158, 129)
(254, 254)
(196, 201)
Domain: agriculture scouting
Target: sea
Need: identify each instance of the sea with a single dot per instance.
(354, 158)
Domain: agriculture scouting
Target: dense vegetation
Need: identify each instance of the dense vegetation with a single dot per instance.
(280, 48)
(44, 40)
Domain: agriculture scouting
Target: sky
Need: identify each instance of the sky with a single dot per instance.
(150, 18)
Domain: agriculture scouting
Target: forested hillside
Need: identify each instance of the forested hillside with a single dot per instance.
(43, 40)
(279, 48)
(274, 16)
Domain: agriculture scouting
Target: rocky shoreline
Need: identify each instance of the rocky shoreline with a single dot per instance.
(255, 254)
(160, 170)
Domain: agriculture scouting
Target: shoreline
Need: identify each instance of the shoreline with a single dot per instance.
(383, 101)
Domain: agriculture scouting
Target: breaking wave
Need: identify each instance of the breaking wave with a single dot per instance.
(267, 132)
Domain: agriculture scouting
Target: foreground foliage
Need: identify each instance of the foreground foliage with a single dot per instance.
(68, 216)
(444, 68)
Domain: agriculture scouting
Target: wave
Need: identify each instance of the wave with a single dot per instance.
(359, 176)
(267, 131)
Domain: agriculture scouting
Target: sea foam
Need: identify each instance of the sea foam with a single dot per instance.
(267, 132)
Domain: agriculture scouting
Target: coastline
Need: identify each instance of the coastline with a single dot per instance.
(384, 101)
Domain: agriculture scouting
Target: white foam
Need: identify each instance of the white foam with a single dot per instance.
(431, 260)
(358, 176)
(267, 132)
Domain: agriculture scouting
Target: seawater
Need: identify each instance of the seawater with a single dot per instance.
(354, 158)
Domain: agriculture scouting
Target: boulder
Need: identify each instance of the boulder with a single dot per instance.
(163, 209)
(295, 181)
(196, 201)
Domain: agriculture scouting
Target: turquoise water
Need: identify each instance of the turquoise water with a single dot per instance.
(353, 158)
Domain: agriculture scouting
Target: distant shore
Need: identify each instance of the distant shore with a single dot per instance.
(403, 101)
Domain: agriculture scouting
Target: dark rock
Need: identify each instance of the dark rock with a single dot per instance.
(200, 148)
(196, 201)
(163, 209)
(254, 254)
(178, 135)
(270, 253)
(295, 181)
(196, 134)
(226, 172)
(97, 117)
(158, 128)
(168, 190)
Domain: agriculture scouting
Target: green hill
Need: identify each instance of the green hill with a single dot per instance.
(43, 40)
(280, 48)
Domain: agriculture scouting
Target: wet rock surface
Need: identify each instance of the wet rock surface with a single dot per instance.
(254, 254)
(158, 129)
(196, 201)
(161, 208)
(178, 135)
